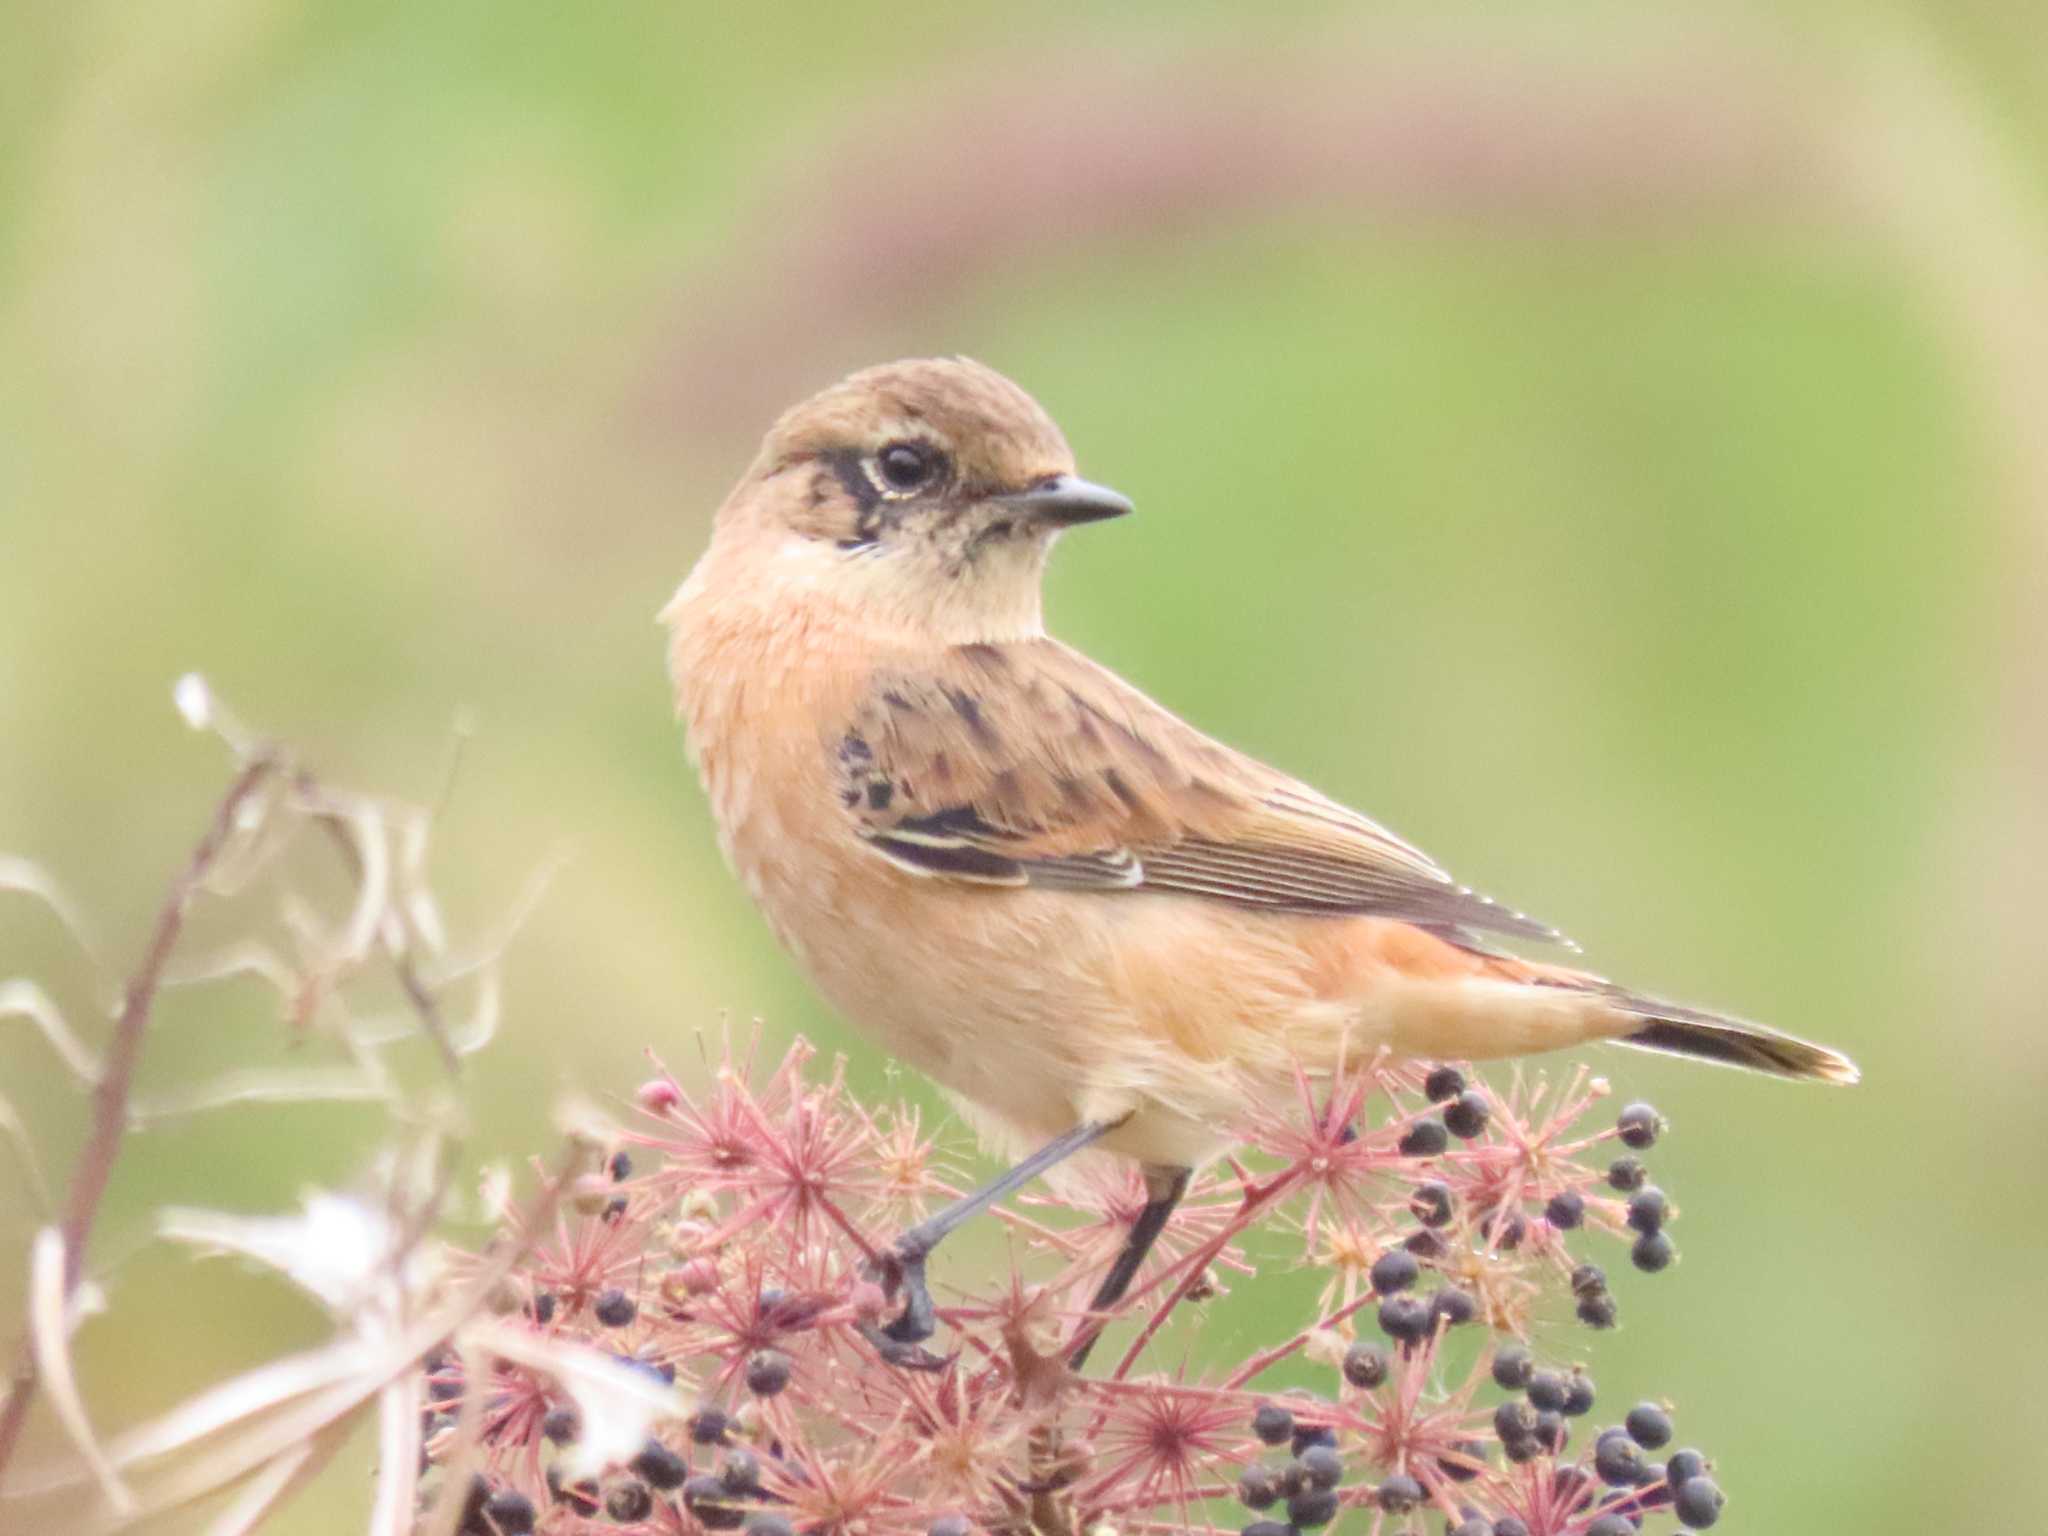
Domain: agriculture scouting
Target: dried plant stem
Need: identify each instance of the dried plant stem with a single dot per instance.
(110, 1092)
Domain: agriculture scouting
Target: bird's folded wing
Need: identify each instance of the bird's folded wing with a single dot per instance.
(1028, 764)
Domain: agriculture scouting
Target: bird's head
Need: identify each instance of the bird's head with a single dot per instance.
(926, 492)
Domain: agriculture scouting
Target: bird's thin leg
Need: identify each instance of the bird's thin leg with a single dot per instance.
(1145, 1230)
(904, 1262)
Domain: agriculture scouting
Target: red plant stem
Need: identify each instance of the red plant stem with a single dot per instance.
(1256, 1197)
(110, 1093)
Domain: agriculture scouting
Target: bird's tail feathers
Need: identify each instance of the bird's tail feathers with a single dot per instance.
(1675, 1030)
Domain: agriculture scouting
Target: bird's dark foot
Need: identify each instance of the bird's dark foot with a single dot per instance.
(902, 1342)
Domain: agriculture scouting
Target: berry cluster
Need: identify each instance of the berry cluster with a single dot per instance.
(724, 1254)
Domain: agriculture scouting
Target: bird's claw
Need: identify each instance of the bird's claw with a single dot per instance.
(901, 1342)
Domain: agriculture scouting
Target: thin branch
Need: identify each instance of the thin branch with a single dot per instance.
(111, 1090)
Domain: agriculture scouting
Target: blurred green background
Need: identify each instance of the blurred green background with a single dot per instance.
(1607, 448)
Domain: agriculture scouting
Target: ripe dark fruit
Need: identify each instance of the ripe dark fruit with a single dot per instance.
(1394, 1270)
(1466, 1115)
(614, 1308)
(1578, 1395)
(1617, 1459)
(1639, 1126)
(1269, 1528)
(708, 1499)
(1547, 1389)
(1596, 1309)
(1698, 1503)
(1323, 1467)
(741, 1471)
(1453, 1307)
(660, 1466)
(1257, 1488)
(1625, 1174)
(1273, 1424)
(560, 1425)
(1652, 1252)
(1399, 1494)
(1649, 1426)
(510, 1511)
(1308, 1436)
(1426, 1138)
(1431, 1203)
(1443, 1084)
(1365, 1364)
(1683, 1467)
(708, 1426)
(628, 1502)
(1513, 1365)
(1647, 1208)
(1404, 1318)
(767, 1372)
(1565, 1210)
(765, 1524)
(1611, 1525)
(1312, 1507)
(1514, 1420)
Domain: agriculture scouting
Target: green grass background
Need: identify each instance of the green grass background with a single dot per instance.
(1662, 574)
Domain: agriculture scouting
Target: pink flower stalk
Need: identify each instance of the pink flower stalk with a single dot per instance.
(728, 1246)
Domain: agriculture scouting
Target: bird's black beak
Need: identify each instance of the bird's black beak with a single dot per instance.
(1066, 500)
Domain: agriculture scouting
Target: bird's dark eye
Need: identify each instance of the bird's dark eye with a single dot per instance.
(906, 466)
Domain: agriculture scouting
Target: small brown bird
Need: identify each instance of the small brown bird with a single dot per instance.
(1088, 921)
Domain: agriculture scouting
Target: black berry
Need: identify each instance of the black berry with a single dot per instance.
(621, 1166)
(1652, 1252)
(1425, 1138)
(1547, 1389)
(615, 1308)
(1565, 1210)
(767, 1372)
(741, 1471)
(628, 1502)
(1443, 1083)
(1551, 1430)
(1394, 1270)
(1646, 1208)
(1683, 1467)
(1312, 1507)
(1578, 1395)
(1466, 1115)
(1512, 1367)
(1612, 1524)
(1273, 1424)
(1625, 1174)
(1639, 1125)
(560, 1425)
(1596, 1309)
(542, 1308)
(660, 1466)
(1269, 1528)
(1431, 1203)
(1453, 1306)
(1587, 1278)
(1617, 1460)
(1257, 1489)
(510, 1511)
(1510, 1525)
(1649, 1426)
(1399, 1494)
(710, 1501)
(1698, 1503)
(765, 1524)
(1514, 1420)
(708, 1426)
(1365, 1364)
(1323, 1466)
(1307, 1436)
(1404, 1318)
